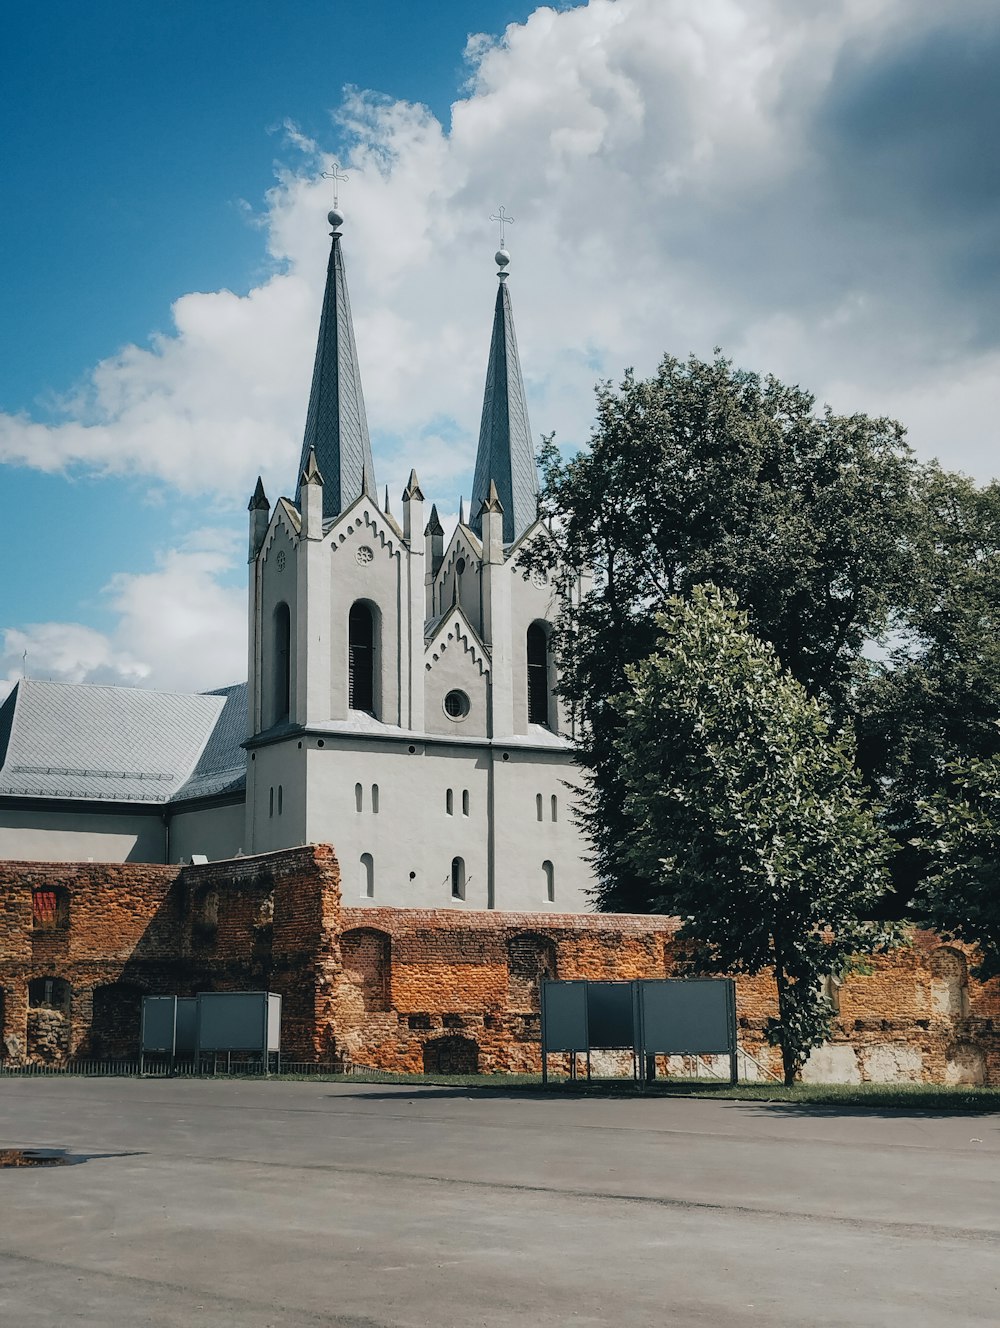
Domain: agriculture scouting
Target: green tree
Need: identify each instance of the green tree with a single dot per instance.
(748, 817)
(707, 473)
(960, 892)
(935, 700)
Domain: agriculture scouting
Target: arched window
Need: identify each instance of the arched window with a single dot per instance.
(281, 798)
(549, 873)
(270, 802)
(367, 876)
(458, 878)
(374, 797)
(555, 808)
(359, 797)
(449, 802)
(538, 675)
(465, 802)
(361, 659)
(282, 662)
(538, 805)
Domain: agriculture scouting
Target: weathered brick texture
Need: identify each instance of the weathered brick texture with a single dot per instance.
(411, 989)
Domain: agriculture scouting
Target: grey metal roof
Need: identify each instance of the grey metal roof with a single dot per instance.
(336, 425)
(505, 453)
(113, 744)
(222, 766)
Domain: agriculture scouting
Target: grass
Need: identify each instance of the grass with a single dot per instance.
(876, 1097)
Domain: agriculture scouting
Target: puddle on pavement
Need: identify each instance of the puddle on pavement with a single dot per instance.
(32, 1157)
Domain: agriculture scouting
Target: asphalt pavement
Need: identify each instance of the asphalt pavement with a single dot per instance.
(266, 1205)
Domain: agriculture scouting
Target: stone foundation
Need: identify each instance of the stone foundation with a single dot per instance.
(442, 991)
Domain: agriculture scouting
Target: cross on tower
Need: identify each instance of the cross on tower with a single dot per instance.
(336, 175)
(501, 216)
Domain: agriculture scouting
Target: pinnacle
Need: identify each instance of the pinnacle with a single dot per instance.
(412, 489)
(259, 503)
(310, 472)
(434, 526)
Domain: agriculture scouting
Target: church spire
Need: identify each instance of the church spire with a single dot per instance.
(505, 456)
(336, 426)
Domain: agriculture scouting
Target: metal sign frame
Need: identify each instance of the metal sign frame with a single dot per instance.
(566, 1017)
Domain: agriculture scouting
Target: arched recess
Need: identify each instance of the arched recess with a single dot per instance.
(48, 1019)
(364, 658)
(539, 679)
(451, 1055)
(281, 699)
(116, 1022)
(949, 982)
(366, 959)
(530, 958)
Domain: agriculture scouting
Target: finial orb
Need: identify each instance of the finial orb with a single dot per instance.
(335, 218)
(501, 258)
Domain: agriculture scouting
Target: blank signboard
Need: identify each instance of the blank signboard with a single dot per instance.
(233, 1021)
(159, 1023)
(187, 1025)
(564, 1016)
(611, 1014)
(688, 1016)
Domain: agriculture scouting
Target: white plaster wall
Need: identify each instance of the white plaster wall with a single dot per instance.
(455, 660)
(218, 832)
(382, 583)
(412, 831)
(529, 603)
(277, 586)
(469, 589)
(67, 836)
(280, 764)
(523, 842)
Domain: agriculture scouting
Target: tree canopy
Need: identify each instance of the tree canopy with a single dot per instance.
(706, 473)
(749, 820)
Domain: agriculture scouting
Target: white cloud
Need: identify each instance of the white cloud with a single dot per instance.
(180, 627)
(681, 176)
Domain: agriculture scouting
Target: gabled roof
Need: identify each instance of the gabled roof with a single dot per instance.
(109, 744)
(336, 425)
(436, 632)
(222, 766)
(505, 454)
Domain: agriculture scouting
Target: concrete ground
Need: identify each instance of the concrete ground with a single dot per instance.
(276, 1204)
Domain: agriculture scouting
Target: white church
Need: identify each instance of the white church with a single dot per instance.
(400, 701)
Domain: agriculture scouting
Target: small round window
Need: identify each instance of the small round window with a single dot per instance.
(456, 705)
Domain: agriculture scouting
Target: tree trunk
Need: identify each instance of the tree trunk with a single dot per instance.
(789, 1058)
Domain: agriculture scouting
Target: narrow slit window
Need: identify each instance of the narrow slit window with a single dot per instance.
(550, 880)
(449, 802)
(458, 878)
(538, 675)
(282, 663)
(555, 808)
(361, 659)
(281, 798)
(538, 805)
(367, 876)
(359, 798)
(374, 797)
(465, 802)
(270, 806)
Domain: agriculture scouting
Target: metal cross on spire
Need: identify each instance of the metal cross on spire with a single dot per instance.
(337, 176)
(501, 216)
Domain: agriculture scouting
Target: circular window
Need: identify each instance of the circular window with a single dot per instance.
(456, 705)
(460, 566)
(539, 579)
(364, 555)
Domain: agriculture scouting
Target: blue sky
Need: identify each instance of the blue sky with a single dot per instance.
(817, 192)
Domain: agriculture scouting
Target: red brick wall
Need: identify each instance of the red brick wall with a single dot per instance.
(408, 988)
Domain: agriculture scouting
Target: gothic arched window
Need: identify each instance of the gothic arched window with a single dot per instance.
(282, 662)
(361, 658)
(538, 674)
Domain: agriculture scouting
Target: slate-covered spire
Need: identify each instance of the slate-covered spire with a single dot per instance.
(335, 424)
(505, 454)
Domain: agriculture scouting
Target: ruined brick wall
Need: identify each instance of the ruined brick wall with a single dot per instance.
(74, 989)
(463, 994)
(437, 990)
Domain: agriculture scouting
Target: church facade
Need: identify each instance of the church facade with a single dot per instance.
(400, 701)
